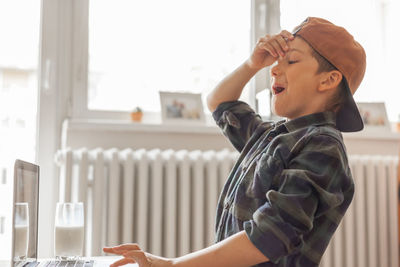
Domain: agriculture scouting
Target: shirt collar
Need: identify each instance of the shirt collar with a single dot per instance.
(321, 118)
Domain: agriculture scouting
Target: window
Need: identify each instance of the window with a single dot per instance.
(19, 51)
(372, 23)
(18, 78)
(137, 48)
(190, 46)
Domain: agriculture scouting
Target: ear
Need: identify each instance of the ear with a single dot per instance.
(330, 80)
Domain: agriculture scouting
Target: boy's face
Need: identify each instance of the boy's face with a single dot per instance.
(295, 82)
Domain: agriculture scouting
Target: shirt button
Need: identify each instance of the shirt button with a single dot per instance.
(226, 206)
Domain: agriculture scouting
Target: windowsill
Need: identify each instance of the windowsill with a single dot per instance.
(373, 135)
(124, 125)
(209, 127)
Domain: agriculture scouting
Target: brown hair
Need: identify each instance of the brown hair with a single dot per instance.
(325, 66)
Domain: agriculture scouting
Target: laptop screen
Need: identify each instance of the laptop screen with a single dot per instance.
(25, 210)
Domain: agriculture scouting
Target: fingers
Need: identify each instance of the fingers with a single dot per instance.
(282, 43)
(265, 44)
(131, 253)
(138, 256)
(276, 45)
(285, 34)
(279, 48)
(122, 262)
(121, 249)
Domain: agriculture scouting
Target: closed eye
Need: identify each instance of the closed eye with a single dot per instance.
(292, 61)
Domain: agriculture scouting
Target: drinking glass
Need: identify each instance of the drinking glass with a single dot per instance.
(69, 231)
(21, 227)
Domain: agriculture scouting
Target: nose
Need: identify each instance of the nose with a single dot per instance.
(275, 70)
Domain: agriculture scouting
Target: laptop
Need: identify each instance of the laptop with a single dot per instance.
(25, 238)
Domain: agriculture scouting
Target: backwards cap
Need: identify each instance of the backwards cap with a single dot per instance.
(339, 47)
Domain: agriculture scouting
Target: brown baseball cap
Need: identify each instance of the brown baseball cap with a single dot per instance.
(338, 46)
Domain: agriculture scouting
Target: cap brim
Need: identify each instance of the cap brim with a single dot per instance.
(348, 118)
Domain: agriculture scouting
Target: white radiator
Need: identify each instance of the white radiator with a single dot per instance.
(368, 233)
(166, 202)
(163, 200)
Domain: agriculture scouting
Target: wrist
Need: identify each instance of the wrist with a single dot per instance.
(250, 66)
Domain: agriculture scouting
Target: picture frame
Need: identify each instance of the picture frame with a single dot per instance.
(181, 108)
(374, 116)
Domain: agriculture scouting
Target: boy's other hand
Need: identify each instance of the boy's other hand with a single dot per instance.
(269, 48)
(133, 254)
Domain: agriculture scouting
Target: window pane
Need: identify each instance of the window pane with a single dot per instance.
(137, 48)
(19, 51)
(372, 23)
(19, 47)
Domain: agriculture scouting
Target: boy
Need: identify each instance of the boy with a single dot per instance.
(291, 185)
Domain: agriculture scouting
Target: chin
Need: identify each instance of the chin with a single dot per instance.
(278, 110)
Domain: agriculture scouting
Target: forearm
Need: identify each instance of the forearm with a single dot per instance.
(236, 250)
(231, 87)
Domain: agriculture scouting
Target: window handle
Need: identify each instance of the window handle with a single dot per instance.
(262, 15)
(47, 76)
(2, 224)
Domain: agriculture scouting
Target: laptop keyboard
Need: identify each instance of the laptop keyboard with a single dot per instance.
(77, 263)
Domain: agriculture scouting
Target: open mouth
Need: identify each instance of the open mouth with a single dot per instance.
(277, 89)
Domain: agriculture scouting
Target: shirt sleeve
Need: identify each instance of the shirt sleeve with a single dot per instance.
(316, 182)
(237, 121)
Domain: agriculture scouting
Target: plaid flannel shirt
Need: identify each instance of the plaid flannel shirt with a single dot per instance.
(289, 188)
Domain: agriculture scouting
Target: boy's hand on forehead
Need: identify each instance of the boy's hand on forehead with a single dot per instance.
(269, 48)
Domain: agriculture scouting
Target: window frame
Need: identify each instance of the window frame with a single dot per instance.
(264, 19)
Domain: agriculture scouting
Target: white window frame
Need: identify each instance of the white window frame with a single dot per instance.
(265, 19)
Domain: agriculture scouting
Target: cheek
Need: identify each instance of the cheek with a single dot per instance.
(301, 82)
